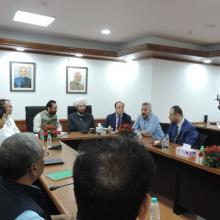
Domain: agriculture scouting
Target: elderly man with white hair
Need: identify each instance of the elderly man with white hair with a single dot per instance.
(80, 120)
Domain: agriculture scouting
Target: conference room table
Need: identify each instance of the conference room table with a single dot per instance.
(190, 185)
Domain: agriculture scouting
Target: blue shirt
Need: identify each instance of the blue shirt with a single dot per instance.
(29, 214)
(151, 125)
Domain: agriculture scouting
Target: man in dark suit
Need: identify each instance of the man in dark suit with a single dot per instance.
(181, 131)
(80, 120)
(118, 118)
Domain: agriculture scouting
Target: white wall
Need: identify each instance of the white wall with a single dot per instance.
(192, 86)
(107, 82)
(163, 83)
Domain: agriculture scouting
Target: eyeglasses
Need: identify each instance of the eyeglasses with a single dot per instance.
(46, 154)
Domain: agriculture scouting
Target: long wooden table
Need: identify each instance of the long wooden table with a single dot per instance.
(63, 198)
(189, 184)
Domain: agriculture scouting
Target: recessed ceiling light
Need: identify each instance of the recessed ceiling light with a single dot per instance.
(32, 18)
(19, 48)
(207, 61)
(106, 31)
(78, 54)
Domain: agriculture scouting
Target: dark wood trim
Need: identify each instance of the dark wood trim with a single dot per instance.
(56, 50)
(163, 48)
(49, 49)
(177, 50)
(175, 59)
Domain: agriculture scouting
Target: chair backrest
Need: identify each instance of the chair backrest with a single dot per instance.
(71, 109)
(31, 112)
(164, 127)
(201, 140)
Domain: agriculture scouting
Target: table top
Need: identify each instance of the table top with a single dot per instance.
(207, 126)
(64, 199)
(85, 136)
(171, 153)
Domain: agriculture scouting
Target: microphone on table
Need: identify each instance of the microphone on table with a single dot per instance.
(52, 188)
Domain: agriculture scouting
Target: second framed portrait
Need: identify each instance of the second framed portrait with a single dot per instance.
(76, 79)
(22, 77)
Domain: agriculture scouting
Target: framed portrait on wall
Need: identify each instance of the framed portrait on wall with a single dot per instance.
(22, 76)
(76, 79)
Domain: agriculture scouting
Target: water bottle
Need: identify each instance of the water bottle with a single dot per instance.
(49, 140)
(41, 135)
(163, 143)
(201, 155)
(167, 140)
(154, 209)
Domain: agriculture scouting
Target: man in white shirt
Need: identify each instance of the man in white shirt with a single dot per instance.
(47, 117)
(9, 127)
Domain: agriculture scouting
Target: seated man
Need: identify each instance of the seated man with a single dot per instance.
(111, 180)
(80, 120)
(147, 124)
(180, 130)
(118, 118)
(21, 163)
(9, 125)
(47, 117)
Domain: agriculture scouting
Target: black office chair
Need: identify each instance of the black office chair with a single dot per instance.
(164, 127)
(31, 112)
(201, 140)
(71, 109)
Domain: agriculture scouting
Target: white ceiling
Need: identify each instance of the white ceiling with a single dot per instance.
(129, 20)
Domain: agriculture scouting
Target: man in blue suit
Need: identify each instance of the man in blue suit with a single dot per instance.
(118, 118)
(180, 130)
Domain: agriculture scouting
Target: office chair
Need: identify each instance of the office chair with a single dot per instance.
(71, 109)
(31, 112)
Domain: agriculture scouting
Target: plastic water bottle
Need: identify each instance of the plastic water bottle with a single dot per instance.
(201, 155)
(49, 140)
(167, 140)
(41, 135)
(154, 209)
(163, 143)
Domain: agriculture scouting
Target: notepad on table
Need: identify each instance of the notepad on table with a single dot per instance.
(60, 175)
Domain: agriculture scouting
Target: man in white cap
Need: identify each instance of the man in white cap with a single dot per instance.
(80, 120)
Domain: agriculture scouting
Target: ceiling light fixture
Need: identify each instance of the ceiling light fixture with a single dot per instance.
(78, 55)
(106, 31)
(20, 49)
(32, 18)
(207, 61)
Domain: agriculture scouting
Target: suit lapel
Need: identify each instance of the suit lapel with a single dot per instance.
(182, 128)
(114, 121)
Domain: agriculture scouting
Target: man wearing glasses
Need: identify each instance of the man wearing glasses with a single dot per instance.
(21, 164)
(80, 120)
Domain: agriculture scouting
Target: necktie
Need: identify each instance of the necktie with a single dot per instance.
(119, 122)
